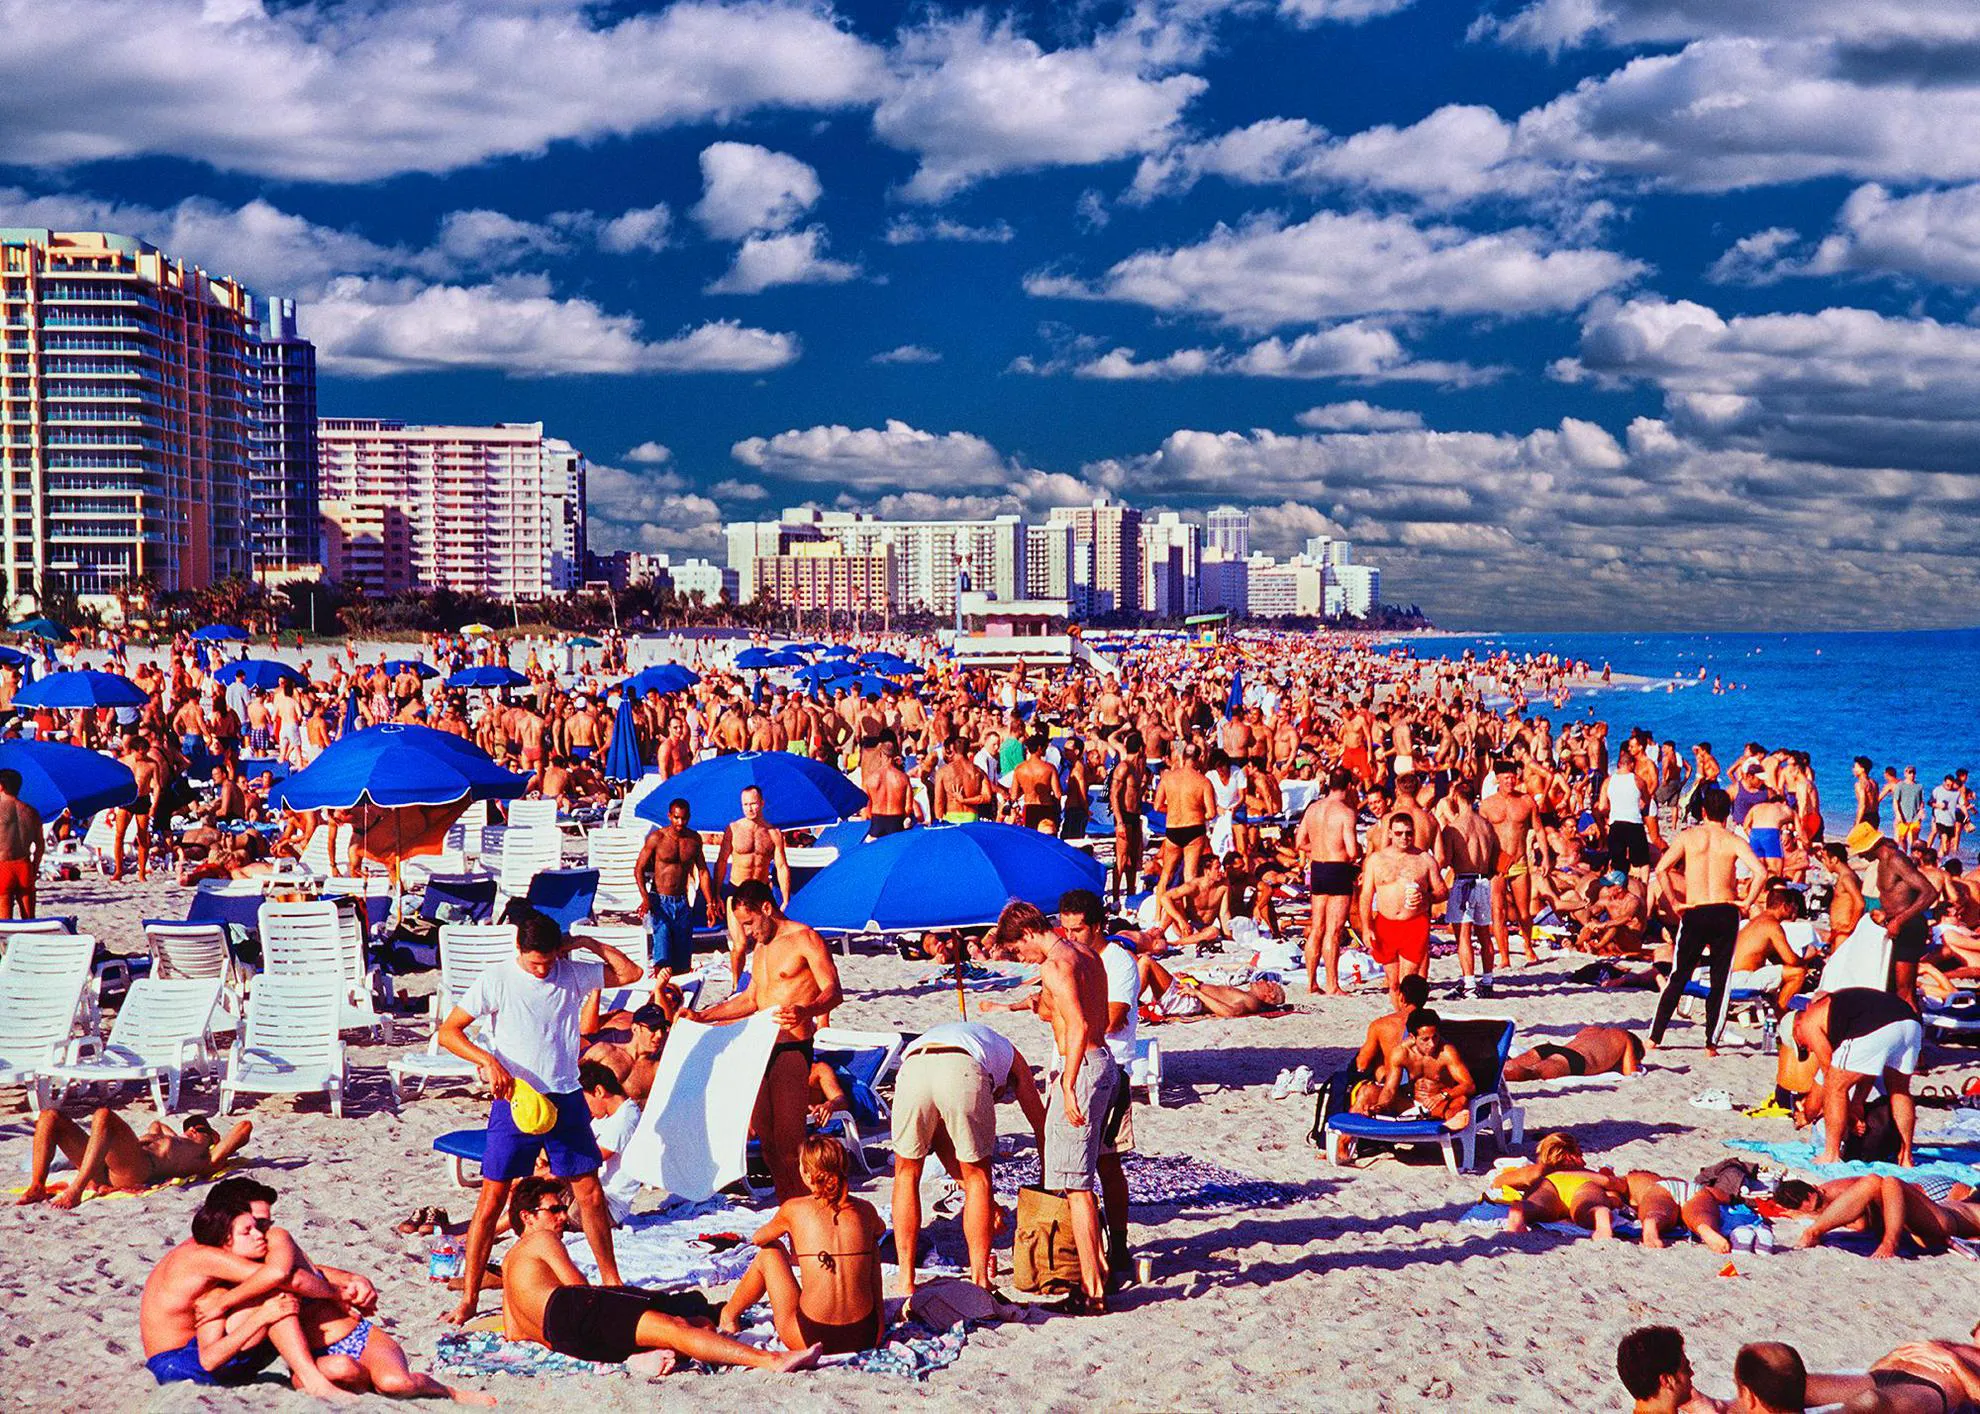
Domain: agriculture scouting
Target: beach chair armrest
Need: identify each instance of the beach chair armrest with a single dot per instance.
(80, 1049)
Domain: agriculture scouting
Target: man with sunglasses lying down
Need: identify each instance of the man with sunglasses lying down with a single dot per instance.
(112, 1157)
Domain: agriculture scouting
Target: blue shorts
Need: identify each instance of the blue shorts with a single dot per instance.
(1765, 842)
(673, 931)
(172, 1366)
(1470, 901)
(511, 1154)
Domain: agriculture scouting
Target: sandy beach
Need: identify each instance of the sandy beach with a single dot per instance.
(1362, 1292)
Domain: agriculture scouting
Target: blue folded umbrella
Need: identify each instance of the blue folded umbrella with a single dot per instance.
(488, 675)
(395, 666)
(56, 777)
(218, 633)
(81, 687)
(623, 759)
(796, 791)
(399, 763)
(943, 876)
(263, 673)
(661, 678)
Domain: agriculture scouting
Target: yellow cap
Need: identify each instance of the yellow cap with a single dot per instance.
(531, 1112)
(1863, 838)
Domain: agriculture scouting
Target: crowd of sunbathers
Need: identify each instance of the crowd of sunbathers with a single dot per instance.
(1770, 1377)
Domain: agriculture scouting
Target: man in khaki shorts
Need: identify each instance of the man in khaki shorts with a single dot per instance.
(945, 1104)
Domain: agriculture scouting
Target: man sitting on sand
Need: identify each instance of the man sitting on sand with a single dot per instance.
(1440, 1086)
(1651, 1363)
(1763, 958)
(1880, 1206)
(1593, 1050)
(114, 1158)
(546, 1299)
(1177, 995)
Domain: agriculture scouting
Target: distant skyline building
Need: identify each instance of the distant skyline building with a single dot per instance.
(286, 531)
(1106, 539)
(928, 555)
(1359, 590)
(496, 510)
(1274, 591)
(1229, 529)
(820, 576)
(1224, 583)
(1171, 566)
(128, 389)
(1048, 560)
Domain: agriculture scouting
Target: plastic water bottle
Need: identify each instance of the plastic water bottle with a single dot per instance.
(444, 1260)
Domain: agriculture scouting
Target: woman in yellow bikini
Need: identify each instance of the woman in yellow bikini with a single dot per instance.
(1560, 1187)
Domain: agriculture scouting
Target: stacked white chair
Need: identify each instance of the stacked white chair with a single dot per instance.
(466, 951)
(319, 939)
(163, 1030)
(197, 950)
(41, 988)
(527, 852)
(614, 853)
(289, 1044)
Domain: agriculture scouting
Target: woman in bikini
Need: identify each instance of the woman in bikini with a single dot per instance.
(1560, 1187)
(832, 1295)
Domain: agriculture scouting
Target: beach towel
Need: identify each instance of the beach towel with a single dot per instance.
(667, 1249)
(693, 1135)
(915, 1352)
(1493, 1215)
(1939, 1165)
(1171, 1180)
(63, 1166)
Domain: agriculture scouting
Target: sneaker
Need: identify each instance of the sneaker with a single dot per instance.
(1465, 989)
(1484, 985)
(1283, 1085)
(1302, 1080)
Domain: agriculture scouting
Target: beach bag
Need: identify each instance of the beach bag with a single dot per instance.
(1044, 1257)
(1331, 1099)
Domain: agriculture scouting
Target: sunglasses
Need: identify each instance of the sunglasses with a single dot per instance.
(263, 1224)
(554, 1208)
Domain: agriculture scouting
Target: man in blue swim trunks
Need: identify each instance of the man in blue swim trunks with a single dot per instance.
(530, 1009)
(252, 1337)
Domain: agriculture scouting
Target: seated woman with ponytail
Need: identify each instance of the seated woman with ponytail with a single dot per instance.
(825, 1289)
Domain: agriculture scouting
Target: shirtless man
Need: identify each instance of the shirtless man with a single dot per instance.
(21, 844)
(962, 792)
(1386, 1032)
(1593, 1050)
(1440, 1085)
(1762, 957)
(1511, 814)
(546, 1300)
(1073, 997)
(1400, 884)
(1846, 903)
(1184, 797)
(1879, 1206)
(890, 802)
(1036, 784)
(144, 767)
(114, 1158)
(1903, 896)
(1180, 995)
(1470, 850)
(750, 850)
(670, 858)
(170, 1311)
(1770, 831)
(1330, 846)
(1700, 873)
(1127, 788)
(793, 976)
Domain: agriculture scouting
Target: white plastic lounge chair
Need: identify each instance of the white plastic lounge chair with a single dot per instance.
(322, 938)
(44, 946)
(466, 951)
(526, 853)
(614, 853)
(197, 950)
(632, 939)
(289, 1044)
(1485, 1042)
(1147, 1068)
(532, 814)
(37, 1013)
(162, 1031)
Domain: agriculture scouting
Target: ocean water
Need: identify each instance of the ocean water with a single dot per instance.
(1899, 698)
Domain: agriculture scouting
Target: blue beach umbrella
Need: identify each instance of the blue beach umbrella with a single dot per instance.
(841, 650)
(891, 664)
(221, 633)
(754, 659)
(796, 791)
(786, 658)
(395, 666)
(816, 674)
(56, 777)
(943, 876)
(349, 723)
(81, 687)
(41, 626)
(399, 763)
(1234, 704)
(263, 673)
(807, 648)
(865, 684)
(488, 675)
(662, 678)
(13, 657)
(622, 758)
(585, 640)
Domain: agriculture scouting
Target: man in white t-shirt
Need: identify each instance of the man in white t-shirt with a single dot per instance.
(945, 1103)
(1083, 921)
(529, 1008)
(614, 1117)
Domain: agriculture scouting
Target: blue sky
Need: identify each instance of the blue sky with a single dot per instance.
(1632, 313)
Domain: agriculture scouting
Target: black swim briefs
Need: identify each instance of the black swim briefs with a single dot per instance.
(1333, 878)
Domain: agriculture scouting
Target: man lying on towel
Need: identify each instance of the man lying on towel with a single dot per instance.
(1883, 1207)
(111, 1157)
(1177, 995)
(1593, 1050)
(546, 1299)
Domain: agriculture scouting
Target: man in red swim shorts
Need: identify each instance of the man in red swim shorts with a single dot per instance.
(1400, 884)
(20, 848)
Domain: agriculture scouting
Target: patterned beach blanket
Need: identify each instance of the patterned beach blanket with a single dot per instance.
(1173, 1180)
(915, 1352)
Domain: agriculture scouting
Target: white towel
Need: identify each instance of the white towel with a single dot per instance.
(693, 1136)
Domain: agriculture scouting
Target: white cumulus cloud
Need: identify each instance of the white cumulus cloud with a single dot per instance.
(748, 190)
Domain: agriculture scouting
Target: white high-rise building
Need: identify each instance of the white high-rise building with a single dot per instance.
(1048, 560)
(702, 578)
(480, 510)
(1281, 591)
(1317, 548)
(1224, 583)
(1359, 588)
(1171, 566)
(1229, 529)
(930, 554)
(1107, 549)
